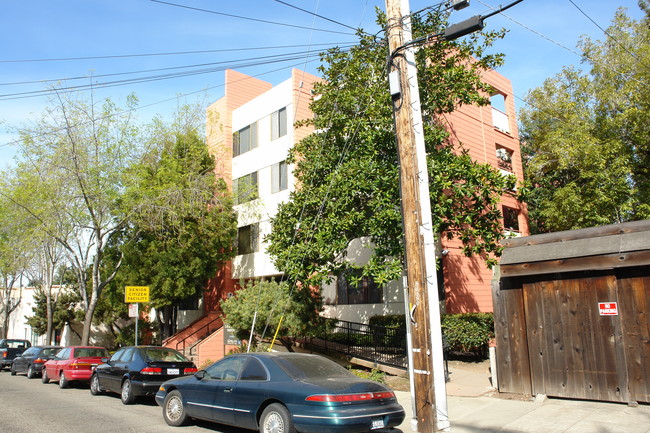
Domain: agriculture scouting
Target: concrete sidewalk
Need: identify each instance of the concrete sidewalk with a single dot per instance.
(474, 407)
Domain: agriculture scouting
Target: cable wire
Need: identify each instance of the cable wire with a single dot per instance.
(249, 18)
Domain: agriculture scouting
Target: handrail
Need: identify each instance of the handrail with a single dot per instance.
(193, 334)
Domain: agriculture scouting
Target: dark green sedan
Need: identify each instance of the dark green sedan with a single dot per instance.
(280, 393)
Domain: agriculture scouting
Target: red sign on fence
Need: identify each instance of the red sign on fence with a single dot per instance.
(608, 308)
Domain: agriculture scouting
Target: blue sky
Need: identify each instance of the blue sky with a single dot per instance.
(67, 41)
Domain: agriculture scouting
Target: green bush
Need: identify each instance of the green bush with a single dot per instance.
(390, 321)
(466, 332)
(374, 374)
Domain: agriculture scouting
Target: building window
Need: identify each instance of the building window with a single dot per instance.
(504, 159)
(499, 117)
(244, 189)
(279, 177)
(510, 219)
(279, 123)
(244, 140)
(248, 239)
(366, 291)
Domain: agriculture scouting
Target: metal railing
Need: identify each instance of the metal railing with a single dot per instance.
(384, 345)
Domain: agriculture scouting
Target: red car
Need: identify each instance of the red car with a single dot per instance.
(74, 364)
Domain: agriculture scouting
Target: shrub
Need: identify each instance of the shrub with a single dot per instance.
(374, 374)
(468, 332)
(465, 332)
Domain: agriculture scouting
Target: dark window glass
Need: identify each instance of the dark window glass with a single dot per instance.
(244, 189)
(311, 367)
(226, 369)
(163, 355)
(253, 370)
(244, 140)
(279, 123)
(247, 239)
(365, 291)
(279, 176)
(510, 219)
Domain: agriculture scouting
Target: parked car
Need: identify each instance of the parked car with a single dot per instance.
(74, 364)
(280, 392)
(9, 349)
(139, 371)
(31, 360)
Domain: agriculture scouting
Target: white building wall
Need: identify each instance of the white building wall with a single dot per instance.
(260, 160)
(261, 210)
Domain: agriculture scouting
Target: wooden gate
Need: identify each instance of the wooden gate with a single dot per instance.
(572, 314)
(575, 351)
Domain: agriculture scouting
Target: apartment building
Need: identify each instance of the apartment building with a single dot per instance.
(250, 131)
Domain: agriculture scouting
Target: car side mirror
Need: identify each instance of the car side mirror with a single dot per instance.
(104, 360)
(200, 374)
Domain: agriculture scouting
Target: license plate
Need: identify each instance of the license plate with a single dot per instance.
(173, 371)
(377, 423)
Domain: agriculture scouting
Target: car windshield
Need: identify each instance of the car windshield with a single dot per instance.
(312, 367)
(165, 355)
(87, 352)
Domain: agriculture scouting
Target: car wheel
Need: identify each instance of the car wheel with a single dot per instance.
(127, 392)
(63, 382)
(174, 411)
(30, 372)
(95, 389)
(13, 370)
(276, 419)
(44, 377)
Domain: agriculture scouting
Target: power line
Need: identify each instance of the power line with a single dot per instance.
(316, 15)
(605, 31)
(245, 63)
(249, 18)
(159, 69)
(118, 56)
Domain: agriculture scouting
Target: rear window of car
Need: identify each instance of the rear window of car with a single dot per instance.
(86, 352)
(163, 355)
(16, 344)
(311, 367)
(50, 351)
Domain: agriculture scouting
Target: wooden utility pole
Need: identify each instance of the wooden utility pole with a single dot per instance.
(426, 360)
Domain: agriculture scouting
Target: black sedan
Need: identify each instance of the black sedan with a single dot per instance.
(139, 371)
(280, 392)
(31, 360)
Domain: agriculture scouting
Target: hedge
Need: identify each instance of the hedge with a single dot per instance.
(465, 332)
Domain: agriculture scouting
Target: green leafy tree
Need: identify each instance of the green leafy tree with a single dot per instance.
(64, 303)
(76, 157)
(183, 224)
(273, 308)
(586, 134)
(348, 170)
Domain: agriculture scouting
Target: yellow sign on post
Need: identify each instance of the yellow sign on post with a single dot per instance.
(134, 294)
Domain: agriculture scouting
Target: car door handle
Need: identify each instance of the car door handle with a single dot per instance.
(227, 389)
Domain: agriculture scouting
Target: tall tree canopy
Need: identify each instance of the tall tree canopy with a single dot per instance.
(74, 159)
(348, 170)
(182, 224)
(586, 134)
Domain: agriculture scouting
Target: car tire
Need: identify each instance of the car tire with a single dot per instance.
(30, 372)
(95, 389)
(13, 370)
(174, 411)
(127, 395)
(63, 382)
(276, 419)
(44, 377)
